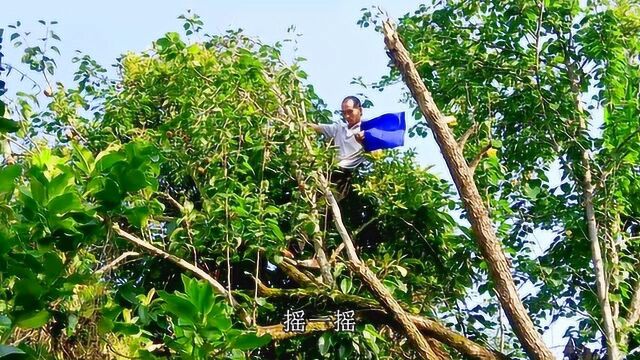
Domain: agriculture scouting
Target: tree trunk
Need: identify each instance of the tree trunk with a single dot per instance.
(490, 247)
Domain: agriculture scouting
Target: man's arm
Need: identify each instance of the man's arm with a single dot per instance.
(315, 127)
(328, 130)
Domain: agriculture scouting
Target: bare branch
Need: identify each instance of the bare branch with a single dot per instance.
(467, 134)
(381, 293)
(476, 160)
(373, 313)
(115, 262)
(183, 264)
(288, 266)
(634, 307)
(277, 331)
(173, 201)
(336, 252)
(588, 189)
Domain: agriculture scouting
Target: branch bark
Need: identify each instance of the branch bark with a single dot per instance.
(428, 327)
(598, 264)
(184, 265)
(633, 315)
(296, 275)
(634, 307)
(116, 261)
(277, 331)
(613, 352)
(380, 292)
(467, 134)
(316, 239)
(318, 247)
(476, 160)
(488, 243)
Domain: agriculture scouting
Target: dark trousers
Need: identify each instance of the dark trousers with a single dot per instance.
(342, 179)
(342, 186)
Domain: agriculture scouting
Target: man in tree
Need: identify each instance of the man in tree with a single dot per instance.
(348, 138)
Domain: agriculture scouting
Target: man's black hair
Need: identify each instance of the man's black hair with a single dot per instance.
(356, 101)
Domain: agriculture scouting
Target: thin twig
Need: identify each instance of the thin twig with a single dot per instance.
(116, 261)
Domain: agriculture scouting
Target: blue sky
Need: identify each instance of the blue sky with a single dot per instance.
(335, 47)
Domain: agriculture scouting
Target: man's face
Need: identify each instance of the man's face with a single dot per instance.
(351, 113)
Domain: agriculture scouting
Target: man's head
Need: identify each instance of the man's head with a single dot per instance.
(351, 110)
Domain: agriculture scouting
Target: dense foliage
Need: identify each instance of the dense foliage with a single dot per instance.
(167, 210)
(198, 150)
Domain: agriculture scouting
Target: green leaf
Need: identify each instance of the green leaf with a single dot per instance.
(531, 192)
(33, 320)
(64, 203)
(85, 162)
(370, 336)
(403, 271)
(324, 343)
(126, 328)
(105, 160)
(237, 354)
(6, 350)
(5, 322)
(52, 264)
(133, 180)
(105, 325)
(138, 216)
(277, 259)
(8, 175)
(110, 195)
(8, 125)
(219, 320)
(72, 322)
(346, 285)
(249, 341)
(200, 294)
(178, 306)
(276, 231)
(60, 183)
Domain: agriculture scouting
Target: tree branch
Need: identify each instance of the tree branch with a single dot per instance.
(476, 160)
(182, 264)
(634, 307)
(428, 327)
(633, 314)
(588, 189)
(277, 331)
(467, 134)
(173, 201)
(296, 275)
(380, 292)
(115, 262)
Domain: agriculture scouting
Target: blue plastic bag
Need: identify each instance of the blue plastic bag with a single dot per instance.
(384, 132)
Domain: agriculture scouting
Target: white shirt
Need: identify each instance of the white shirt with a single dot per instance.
(349, 149)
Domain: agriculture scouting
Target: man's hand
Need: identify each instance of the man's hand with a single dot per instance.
(315, 127)
(360, 137)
